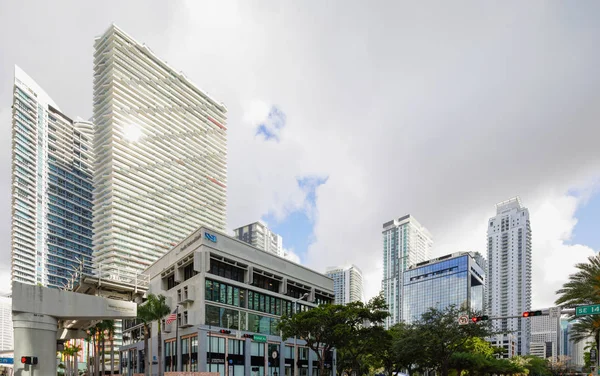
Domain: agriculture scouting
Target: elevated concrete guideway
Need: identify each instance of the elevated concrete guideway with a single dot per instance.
(37, 312)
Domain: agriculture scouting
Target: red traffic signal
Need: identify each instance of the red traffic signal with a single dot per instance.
(532, 313)
(29, 360)
(223, 331)
(247, 335)
(479, 318)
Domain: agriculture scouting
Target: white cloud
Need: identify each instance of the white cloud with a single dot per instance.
(403, 107)
(292, 256)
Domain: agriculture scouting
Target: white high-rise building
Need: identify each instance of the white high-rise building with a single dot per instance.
(509, 273)
(546, 336)
(51, 191)
(347, 283)
(161, 147)
(6, 325)
(405, 242)
(261, 237)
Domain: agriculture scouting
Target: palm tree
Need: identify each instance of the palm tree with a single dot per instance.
(583, 288)
(107, 328)
(110, 324)
(155, 308)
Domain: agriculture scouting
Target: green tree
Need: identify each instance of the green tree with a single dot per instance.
(356, 354)
(537, 366)
(333, 326)
(153, 309)
(442, 336)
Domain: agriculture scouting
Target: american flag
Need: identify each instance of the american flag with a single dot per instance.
(172, 317)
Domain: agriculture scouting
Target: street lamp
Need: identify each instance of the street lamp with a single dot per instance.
(305, 295)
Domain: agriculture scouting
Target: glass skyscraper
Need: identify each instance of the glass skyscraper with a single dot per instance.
(454, 279)
(52, 159)
(405, 243)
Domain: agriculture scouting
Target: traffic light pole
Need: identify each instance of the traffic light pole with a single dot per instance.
(566, 311)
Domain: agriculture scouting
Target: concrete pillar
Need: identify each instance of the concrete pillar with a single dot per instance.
(282, 358)
(35, 335)
(247, 357)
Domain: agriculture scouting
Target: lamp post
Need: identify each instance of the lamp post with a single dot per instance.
(297, 353)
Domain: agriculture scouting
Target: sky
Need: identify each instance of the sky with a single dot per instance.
(344, 115)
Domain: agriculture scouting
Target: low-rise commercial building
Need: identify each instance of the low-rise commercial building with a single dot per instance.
(230, 297)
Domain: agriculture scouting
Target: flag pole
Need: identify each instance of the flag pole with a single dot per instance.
(177, 338)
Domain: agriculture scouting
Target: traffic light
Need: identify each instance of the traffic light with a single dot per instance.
(532, 313)
(247, 336)
(479, 318)
(29, 360)
(223, 331)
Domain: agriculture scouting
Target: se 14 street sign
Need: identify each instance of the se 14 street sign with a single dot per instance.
(587, 310)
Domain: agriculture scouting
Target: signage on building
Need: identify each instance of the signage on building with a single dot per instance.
(189, 243)
(211, 237)
(259, 338)
(7, 360)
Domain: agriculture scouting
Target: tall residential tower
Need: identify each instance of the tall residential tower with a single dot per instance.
(347, 283)
(161, 148)
(52, 161)
(405, 242)
(509, 273)
(260, 236)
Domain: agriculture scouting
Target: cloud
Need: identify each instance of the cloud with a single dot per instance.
(435, 110)
(292, 256)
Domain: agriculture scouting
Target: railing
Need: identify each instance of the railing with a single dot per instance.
(112, 273)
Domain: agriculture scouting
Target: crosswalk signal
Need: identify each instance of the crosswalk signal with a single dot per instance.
(479, 318)
(532, 313)
(29, 360)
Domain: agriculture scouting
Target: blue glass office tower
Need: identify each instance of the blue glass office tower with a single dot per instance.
(455, 279)
(51, 229)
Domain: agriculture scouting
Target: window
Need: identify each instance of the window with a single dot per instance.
(225, 294)
(265, 282)
(226, 270)
(171, 282)
(188, 271)
(189, 354)
(170, 355)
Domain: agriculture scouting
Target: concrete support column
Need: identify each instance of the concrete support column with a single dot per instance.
(35, 335)
(247, 357)
(282, 358)
(311, 358)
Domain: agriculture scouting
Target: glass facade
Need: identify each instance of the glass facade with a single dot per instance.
(455, 281)
(51, 189)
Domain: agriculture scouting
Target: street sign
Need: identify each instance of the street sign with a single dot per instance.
(555, 312)
(259, 338)
(463, 320)
(7, 360)
(587, 310)
(593, 356)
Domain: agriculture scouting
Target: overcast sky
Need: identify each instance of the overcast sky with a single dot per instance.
(437, 109)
